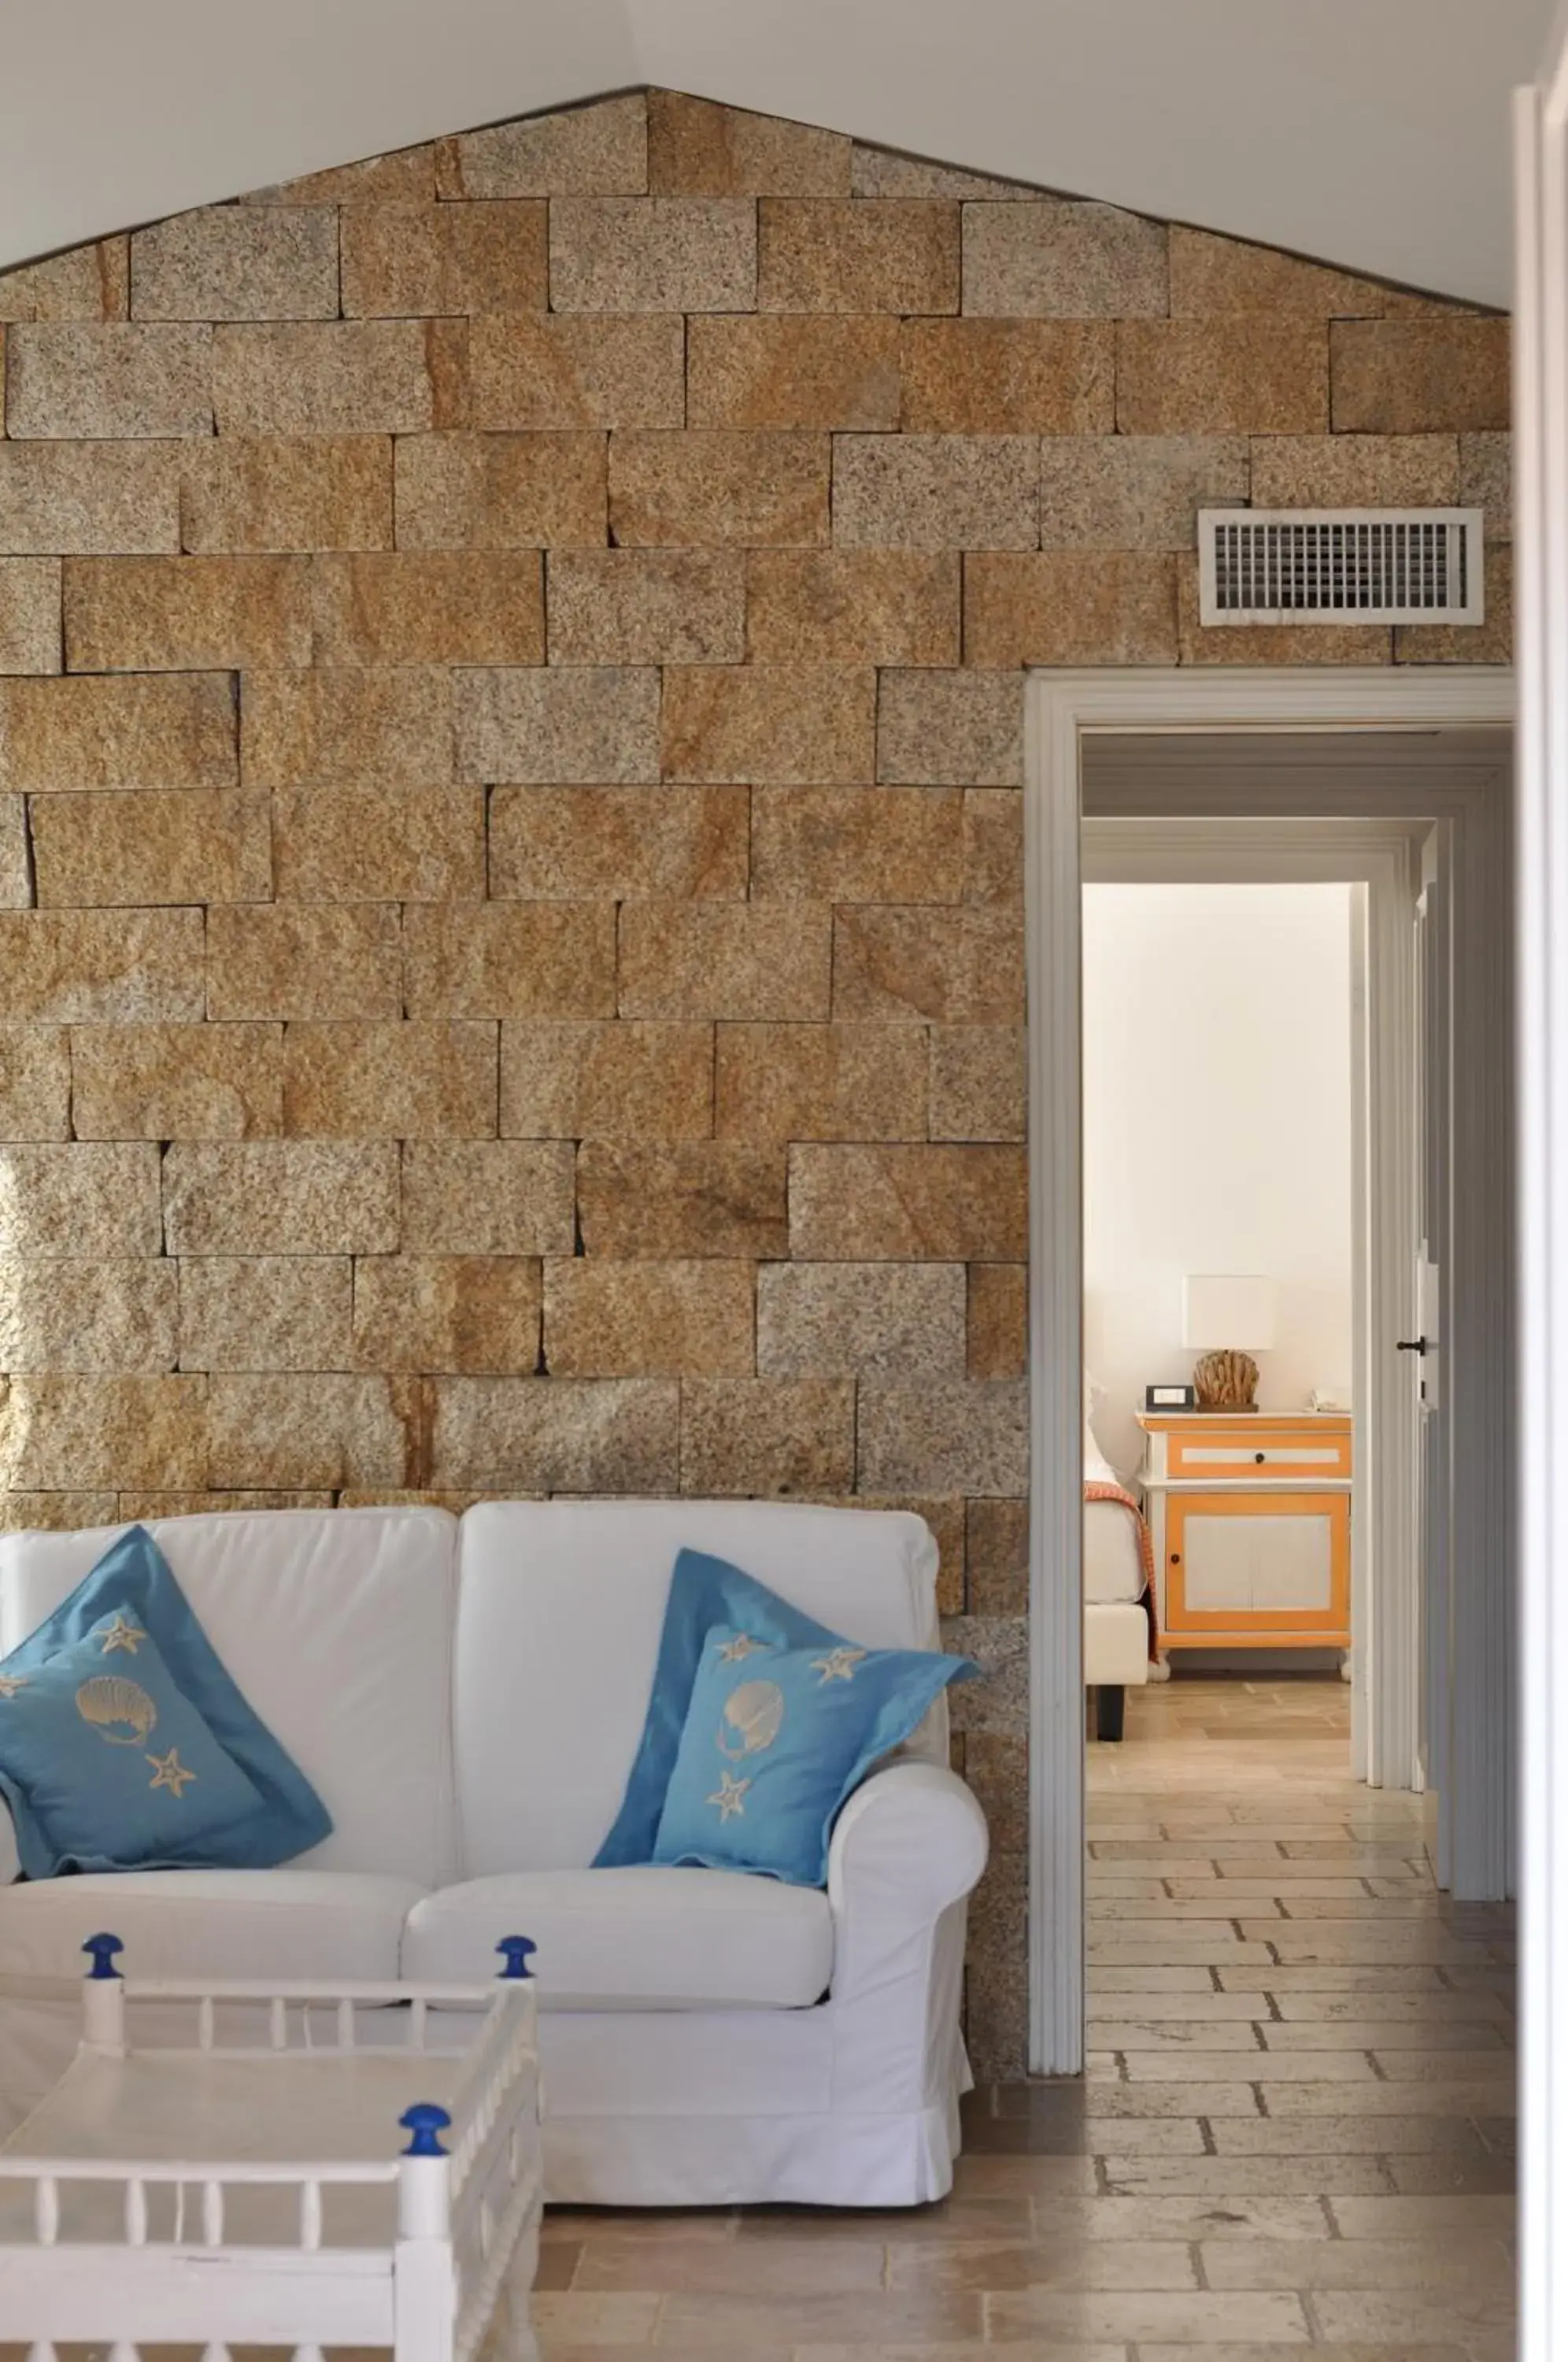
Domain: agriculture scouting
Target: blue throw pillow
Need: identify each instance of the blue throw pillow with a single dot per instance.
(133, 1578)
(777, 1738)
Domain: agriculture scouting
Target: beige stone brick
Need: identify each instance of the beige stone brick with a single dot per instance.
(90, 496)
(1062, 258)
(404, 177)
(174, 731)
(601, 149)
(79, 1198)
(598, 724)
(402, 1081)
(767, 1436)
(1355, 471)
(783, 724)
(584, 369)
(1485, 479)
(971, 1437)
(1269, 644)
(291, 1428)
(16, 857)
(511, 959)
(501, 491)
(899, 1204)
(280, 1198)
(1138, 491)
(857, 844)
(429, 607)
(949, 729)
(144, 847)
(956, 967)
(420, 260)
(565, 1081)
(266, 1312)
(819, 1082)
(449, 1313)
(559, 1435)
(111, 379)
(583, 843)
(606, 1320)
(176, 1082)
(100, 967)
(1246, 376)
(58, 1513)
(488, 1198)
(144, 1507)
(853, 606)
(68, 1431)
(886, 172)
(87, 282)
(185, 614)
(997, 1554)
(978, 1082)
(856, 255)
(674, 1199)
(347, 728)
(744, 960)
(236, 262)
(35, 1083)
(698, 149)
(653, 254)
(999, 1320)
(379, 844)
(29, 614)
(1008, 377)
(852, 1319)
(647, 606)
(1210, 274)
(1418, 376)
(717, 490)
(1462, 643)
(340, 960)
(1070, 607)
(936, 491)
(993, 845)
(283, 493)
(792, 371)
(326, 377)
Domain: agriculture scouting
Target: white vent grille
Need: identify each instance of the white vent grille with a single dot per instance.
(1338, 565)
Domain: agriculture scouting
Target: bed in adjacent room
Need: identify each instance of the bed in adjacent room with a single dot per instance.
(1119, 1635)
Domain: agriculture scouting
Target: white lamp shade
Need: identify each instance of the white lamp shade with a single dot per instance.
(1233, 1309)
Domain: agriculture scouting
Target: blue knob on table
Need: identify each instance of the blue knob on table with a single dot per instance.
(516, 1951)
(424, 2123)
(103, 1949)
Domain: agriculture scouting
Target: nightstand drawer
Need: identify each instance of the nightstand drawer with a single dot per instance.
(1219, 1452)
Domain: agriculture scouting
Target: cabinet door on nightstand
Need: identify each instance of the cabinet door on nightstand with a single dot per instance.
(1262, 1562)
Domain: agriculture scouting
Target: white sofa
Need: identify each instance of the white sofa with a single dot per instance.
(466, 1697)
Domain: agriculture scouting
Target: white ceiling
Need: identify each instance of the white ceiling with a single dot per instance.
(1372, 133)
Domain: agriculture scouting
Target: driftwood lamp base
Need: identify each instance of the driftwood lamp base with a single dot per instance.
(1226, 1381)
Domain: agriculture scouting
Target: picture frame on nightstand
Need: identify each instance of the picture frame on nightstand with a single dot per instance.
(1170, 1398)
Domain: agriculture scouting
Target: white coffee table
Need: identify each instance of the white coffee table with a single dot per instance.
(294, 2165)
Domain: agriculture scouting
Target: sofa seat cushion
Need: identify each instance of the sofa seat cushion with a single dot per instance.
(250, 1923)
(634, 1939)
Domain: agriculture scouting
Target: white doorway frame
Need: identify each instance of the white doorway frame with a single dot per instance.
(1062, 708)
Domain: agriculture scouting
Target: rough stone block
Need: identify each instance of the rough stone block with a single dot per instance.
(306, 960)
(996, 1555)
(488, 1198)
(999, 1320)
(1008, 377)
(819, 1082)
(266, 1312)
(792, 371)
(647, 606)
(1246, 376)
(593, 723)
(784, 725)
(1211, 275)
(429, 607)
(141, 848)
(176, 1082)
(563, 1081)
(104, 1315)
(185, 614)
(59, 1513)
(1355, 471)
(853, 606)
(598, 150)
(501, 491)
(478, 1314)
(236, 262)
(291, 1428)
(1272, 644)
(993, 845)
(79, 1198)
(266, 492)
(767, 1436)
(62, 1432)
(997, 1703)
(280, 1198)
(698, 149)
(606, 1320)
(326, 377)
(511, 959)
(886, 172)
(90, 496)
(1138, 491)
(936, 491)
(379, 844)
(559, 1435)
(16, 857)
(584, 843)
(173, 731)
(1070, 607)
(996, 1765)
(653, 254)
(29, 614)
(35, 1083)
(86, 282)
(561, 370)
(347, 728)
(145, 1508)
(100, 967)
(857, 844)
(404, 1081)
(1419, 376)
(717, 489)
(424, 260)
(671, 1200)
(978, 1082)
(1485, 479)
(402, 178)
(897, 1204)
(969, 1436)
(949, 729)
(1062, 258)
(856, 255)
(955, 967)
(849, 1319)
(744, 960)
(113, 379)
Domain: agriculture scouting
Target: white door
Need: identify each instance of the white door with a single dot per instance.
(1426, 1349)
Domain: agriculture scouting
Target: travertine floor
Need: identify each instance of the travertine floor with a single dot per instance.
(1296, 2130)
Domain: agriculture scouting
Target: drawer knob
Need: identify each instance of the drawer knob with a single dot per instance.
(1176, 1557)
(1260, 1457)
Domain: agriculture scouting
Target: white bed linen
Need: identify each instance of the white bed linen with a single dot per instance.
(1113, 1565)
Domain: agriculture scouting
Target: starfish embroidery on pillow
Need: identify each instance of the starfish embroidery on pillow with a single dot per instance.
(121, 1634)
(168, 1771)
(735, 1652)
(729, 1796)
(838, 1665)
(11, 1682)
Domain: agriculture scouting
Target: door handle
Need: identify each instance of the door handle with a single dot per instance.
(1416, 1345)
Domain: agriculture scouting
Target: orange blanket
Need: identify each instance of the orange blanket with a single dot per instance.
(1118, 1492)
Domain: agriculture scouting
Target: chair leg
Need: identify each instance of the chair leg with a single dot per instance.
(1110, 1710)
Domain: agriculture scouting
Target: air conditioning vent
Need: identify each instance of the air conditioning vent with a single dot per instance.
(1339, 565)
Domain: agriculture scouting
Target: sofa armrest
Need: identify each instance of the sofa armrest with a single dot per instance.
(911, 1842)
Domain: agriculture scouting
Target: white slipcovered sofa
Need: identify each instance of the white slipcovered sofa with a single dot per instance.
(466, 1697)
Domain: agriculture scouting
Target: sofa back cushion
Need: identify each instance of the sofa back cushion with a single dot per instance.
(560, 1606)
(337, 1624)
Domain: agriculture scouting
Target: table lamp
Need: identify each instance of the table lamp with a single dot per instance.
(1225, 1319)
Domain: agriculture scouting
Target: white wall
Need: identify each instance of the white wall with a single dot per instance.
(1217, 1129)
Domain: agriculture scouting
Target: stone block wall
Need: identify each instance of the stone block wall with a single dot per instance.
(510, 918)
